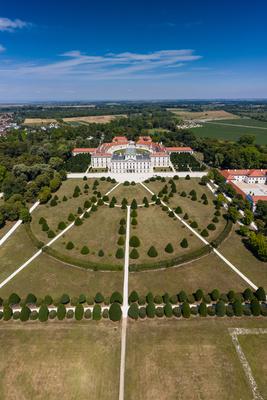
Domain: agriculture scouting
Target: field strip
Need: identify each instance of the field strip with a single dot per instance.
(39, 252)
(238, 125)
(234, 333)
(124, 307)
(17, 224)
(236, 270)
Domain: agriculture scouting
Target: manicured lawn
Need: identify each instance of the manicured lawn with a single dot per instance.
(255, 350)
(15, 251)
(99, 231)
(59, 213)
(194, 359)
(196, 210)
(156, 228)
(67, 360)
(207, 273)
(46, 275)
(244, 260)
(131, 192)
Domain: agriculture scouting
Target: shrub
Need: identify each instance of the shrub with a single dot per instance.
(133, 296)
(194, 224)
(105, 313)
(211, 227)
(169, 248)
(14, 299)
(204, 233)
(206, 298)
(176, 312)
(48, 300)
(101, 253)
(187, 177)
(231, 295)
(61, 225)
(134, 254)
(88, 314)
(211, 311)
(173, 299)
(86, 214)
(198, 294)
(255, 307)
(182, 296)
(25, 313)
(142, 300)
(159, 312)
(122, 221)
(71, 217)
(215, 294)
(237, 308)
(171, 214)
(116, 297)
(53, 202)
(186, 310)
(45, 227)
(99, 298)
(178, 210)
(133, 214)
(220, 308)
(260, 294)
(184, 243)
(79, 312)
(121, 241)
(7, 313)
(215, 220)
(186, 216)
(78, 221)
(152, 252)
(115, 312)
(84, 250)
(42, 221)
(229, 310)
(34, 315)
(158, 299)
(134, 241)
(168, 310)
(133, 311)
(50, 234)
(142, 312)
(122, 230)
(65, 299)
(248, 294)
(69, 246)
(150, 310)
(30, 299)
(97, 312)
(70, 314)
(134, 204)
(61, 312)
(202, 309)
(217, 213)
(134, 221)
(43, 313)
(119, 253)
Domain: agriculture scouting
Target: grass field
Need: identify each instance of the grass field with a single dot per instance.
(196, 210)
(255, 350)
(131, 192)
(66, 360)
(59, 213)
(212, 114)
(195, 359)
(233, 130)
(46, 275)
(8, 225)
(156, 228)
(99, 232)
(244, 260)
(206, 273)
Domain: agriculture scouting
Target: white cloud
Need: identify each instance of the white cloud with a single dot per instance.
(2, 48)
(9, 25)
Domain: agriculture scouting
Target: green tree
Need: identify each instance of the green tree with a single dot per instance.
(220, 308)
(152, 252)
(150, 310)
(184, 243)
(202, 309)
(120, 253)
(61, 312)
(116, 297)
(14, 299)
(134, 254)
(134, 241)
(186, 311)
(79, 312)
(115, 312)
(24, 313)
(169, 248)
(97, 312)
(43, 313)
(133, 297)
(133, 311)
(99, 298)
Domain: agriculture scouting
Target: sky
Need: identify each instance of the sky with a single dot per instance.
(132, 50)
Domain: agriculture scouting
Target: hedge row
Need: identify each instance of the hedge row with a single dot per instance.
(114, 313)
(223, 235)
(220, 309)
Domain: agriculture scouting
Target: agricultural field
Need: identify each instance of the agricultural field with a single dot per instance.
(209, 114)
(189, 360)
(232, 129)
(97, 119)
(72, 359)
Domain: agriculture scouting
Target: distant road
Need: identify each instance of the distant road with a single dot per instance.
(241, 126)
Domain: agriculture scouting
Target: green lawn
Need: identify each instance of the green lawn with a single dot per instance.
(196, 210)
(218, 130)
(244, 260)
(255, 350)
(59, 213)
(8, 225)
(194, 359)
(156, 228)
(131, 192)
(207, 273)
(46, 275)
(70, 360)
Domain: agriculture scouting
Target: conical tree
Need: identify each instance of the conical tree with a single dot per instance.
(152, 252)
(169, 248)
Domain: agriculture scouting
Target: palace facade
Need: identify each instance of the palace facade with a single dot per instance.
(124, 156)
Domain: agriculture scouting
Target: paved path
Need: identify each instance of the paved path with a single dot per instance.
(236, 270)
(125, 306)
(17, 224)
(39, 252)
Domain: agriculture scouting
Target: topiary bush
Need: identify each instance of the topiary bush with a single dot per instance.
(84, 250)
(134, 254)
(61, 225)
(168, 310)
(133, 297)
(99, 298)
(115, 312)
(211, 227)
(220, 308)
(184, 243)
(121, 241)
(79, 312)
(204, 233)
(43, 313)
(152, 252)
(61, 312)
(97, 312)
(69, 246)
(51, 234)
(133, 311)
(24, 313)
(78, 221)
(202, 309)
(186, 310)
(119, 253)
(134, 241)
(71, 217)
(150, 310)
(14, 299)
(169, 248)
(88, 314)
(116, 297)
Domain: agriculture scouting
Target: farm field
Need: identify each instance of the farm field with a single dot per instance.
(212, 114)
(72, 359)
(196, 210)
(98, 119)
(186, 360)
(255, 350)
(233, 249)
(46, 275)
(206, 273)
(233, 130)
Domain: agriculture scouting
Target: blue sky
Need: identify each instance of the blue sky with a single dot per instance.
(88, 50)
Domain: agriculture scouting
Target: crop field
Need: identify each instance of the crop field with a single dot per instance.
(232, 129)
(190, 360)
(189, 115)
(97, 119)
(70, 359)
